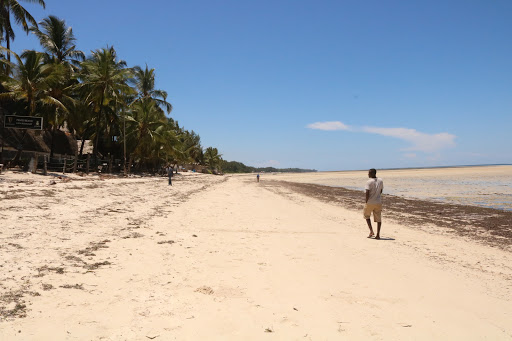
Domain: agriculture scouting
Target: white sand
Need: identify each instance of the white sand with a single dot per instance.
(266, 264)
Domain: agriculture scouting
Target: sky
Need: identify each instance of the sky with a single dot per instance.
(325, 85)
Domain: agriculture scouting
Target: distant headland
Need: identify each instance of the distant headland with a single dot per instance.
(238, 167)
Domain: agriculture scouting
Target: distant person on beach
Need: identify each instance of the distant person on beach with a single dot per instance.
(169, 174)
(258, 178)
(373, 188)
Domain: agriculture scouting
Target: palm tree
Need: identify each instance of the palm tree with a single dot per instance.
(145, 85)
(147, 124)
(182, 151)
(213, 159)
(60, 87)
(31, 85)
(104, 81)
(80, 121)
(183, 147)
(195, 150)
(31, 82)
(168, 144)
(58, 41)
(20, 15)
(189, 150)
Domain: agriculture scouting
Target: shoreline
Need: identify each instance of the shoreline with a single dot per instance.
(468, 186)
(488, 225)
(419, 168)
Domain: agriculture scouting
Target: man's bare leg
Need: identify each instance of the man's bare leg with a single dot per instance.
(378, 230)
(369, 222)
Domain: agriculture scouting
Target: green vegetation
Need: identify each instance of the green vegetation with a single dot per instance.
(238, 167)
(96, 97)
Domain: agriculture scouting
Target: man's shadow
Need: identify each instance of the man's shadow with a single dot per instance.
(384, 238)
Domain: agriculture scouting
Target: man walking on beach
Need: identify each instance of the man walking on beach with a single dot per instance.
(373, 188)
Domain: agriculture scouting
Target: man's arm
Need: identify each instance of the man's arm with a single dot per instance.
(367, 196)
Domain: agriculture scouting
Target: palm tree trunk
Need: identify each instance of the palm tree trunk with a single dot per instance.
(53, 142)
(7, 67)
(98, 122)
(130, 163)
(124, 142)
(95, 149)
(83, 137)
(7, 19)
(82, 145)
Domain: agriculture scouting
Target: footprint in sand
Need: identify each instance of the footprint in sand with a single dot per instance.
(205, 290)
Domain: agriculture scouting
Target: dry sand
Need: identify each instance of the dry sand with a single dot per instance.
(226, 258)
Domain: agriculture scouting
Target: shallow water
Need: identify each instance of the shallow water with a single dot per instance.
(485, 186)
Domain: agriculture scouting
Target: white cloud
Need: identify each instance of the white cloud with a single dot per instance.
(410, 155)
(333, 125)
(423, 142)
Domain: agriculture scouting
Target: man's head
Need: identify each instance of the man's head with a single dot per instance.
(372, 173)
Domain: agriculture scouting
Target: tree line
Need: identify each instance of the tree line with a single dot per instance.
(238, 167)
(96, 97)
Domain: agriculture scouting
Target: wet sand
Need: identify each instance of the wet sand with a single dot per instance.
(490, 226)
(226, 258)
(483, 186)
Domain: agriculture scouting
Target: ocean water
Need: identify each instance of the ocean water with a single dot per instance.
(485, 186)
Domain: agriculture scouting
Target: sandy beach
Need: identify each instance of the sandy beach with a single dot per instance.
(227, 258)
